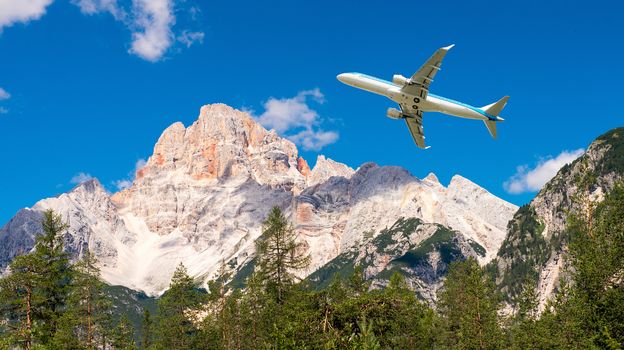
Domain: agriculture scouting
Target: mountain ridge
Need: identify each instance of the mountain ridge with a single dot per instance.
(203, 194)
(536, 242)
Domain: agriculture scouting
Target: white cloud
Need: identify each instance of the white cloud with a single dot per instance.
(4, 95)
(91, 7)
(140, 164)
(314, 140)
(80, 178)
(122, 184)
(151, 23)
(154, 19)
(294, 115)
(287, 113)
(189, 38)
(127, 182)
(21, 11)
(531, 180)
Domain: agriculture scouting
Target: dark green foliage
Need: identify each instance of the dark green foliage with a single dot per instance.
(175, 326)
(586, 313)
(341, 266)
(477, 248)
(388, 243)
(87, 319)
(132, 304)
(614, 159)
(123, 336)
(468, 305)
(402, 226)
(35, 293)
(147, 326)
(278, 254)
(54, 265)
(441, 240)
(597, 256)
(238, 281)
(525, 248)
(48, 304)
(18, 297)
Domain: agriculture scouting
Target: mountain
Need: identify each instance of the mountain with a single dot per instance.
(536, 241)
(203, 194)
(420, 251)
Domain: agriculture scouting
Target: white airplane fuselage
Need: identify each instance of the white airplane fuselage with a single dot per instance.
(431, 103)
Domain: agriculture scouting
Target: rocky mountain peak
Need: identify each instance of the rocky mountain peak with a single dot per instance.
(431, 177)
(204, 192)
(458, 181)
(326, 168)
(92, 186)
(536, 238)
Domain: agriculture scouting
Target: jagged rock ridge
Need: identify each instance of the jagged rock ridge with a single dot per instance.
(204, 192)
(536, 241)
(421, 252)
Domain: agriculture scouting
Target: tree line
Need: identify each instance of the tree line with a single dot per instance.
(48, 303)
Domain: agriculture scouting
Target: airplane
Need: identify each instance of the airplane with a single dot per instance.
(412, 95)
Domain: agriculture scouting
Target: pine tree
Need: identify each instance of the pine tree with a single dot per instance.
(146, 329)
(35, 292)
(254, 303)
(468, 305)
(366, 339)
(18, 299)
(525, 331)
(123, 335)
(357, 281)
(55, 270)
(176, 329)
(217, 297)
(528, 302)
(597, 256)
(279, 254)
(87, 317)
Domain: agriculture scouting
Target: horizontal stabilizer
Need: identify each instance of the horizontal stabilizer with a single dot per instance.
(491, 126)
(496, 107)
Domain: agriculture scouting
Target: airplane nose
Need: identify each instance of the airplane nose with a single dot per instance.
(344, 77)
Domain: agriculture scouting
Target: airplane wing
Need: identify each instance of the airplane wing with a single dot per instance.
(414, 124)
(419, 82)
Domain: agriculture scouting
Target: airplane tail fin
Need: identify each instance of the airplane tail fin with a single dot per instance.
(494, 109)
(491, 126)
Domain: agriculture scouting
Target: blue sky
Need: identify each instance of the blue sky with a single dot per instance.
(89, 85)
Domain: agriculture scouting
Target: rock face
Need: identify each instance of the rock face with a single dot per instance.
(420, 251)
(535, 246)
(336, 214)
(203, 194)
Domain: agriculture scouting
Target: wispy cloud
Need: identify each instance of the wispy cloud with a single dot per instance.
(189, 38)
(80, 178)
(152, 35)
(21, 11)
(127, 182)
(3, 110)
(150, 22)
(314, 139)
(528, 179)
(295, 119)
(4, 95)
(90, 7)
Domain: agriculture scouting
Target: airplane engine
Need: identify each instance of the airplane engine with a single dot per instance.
(399, 80)
(394, 113)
